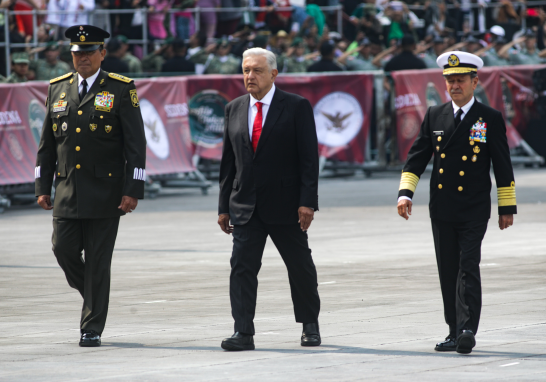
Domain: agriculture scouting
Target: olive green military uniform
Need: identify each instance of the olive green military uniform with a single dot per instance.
(360, 63)
(523, 57)
(296, 65)
(135, 66)
(430, 60)
(491, 58)
(199, 57)
(96, 151)
(224, 65)
(153, 63)
(45, 71)
(14, 79)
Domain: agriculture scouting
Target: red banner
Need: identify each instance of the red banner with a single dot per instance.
(508, 89)
(342, 106)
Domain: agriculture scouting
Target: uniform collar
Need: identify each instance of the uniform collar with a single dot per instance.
(266, 100)
(90, 80)
(465, 108)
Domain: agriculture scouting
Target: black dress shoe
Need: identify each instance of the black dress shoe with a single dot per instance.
(450, 344)
(310, 335)
(238, 341)
(465, 342)
(89, 338)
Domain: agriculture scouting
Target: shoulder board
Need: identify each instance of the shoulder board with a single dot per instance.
(61, 78)
(119, 77)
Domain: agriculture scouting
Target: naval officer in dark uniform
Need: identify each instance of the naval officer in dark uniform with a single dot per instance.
(93, 144)
(465, 136)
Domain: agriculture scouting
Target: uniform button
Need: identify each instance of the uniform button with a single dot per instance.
(464, 157)
(471, 143)
(109, 174)
(78, 166)
(78, 130)
(443, 155)
(102, 116)
(460, 188)
(440, 186)
(58, 174)
(461, 173)
(80, 112)
(439, 139)
(77, 148)
(441, 171)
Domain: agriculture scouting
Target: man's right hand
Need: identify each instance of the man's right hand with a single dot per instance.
(45, 202)
(223, 222)
(404, 208)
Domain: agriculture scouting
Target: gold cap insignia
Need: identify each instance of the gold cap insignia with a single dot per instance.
(54, 127)
(453, 60)
(82, 38)
(108, 128)
(81, 28)
(93, 126)
(64, 126)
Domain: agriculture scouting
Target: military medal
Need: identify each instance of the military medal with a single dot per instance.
(478, 132)
(63, 95)
(54, 127)
(64, 126)
(59, 106)
(93, 126)
(104, 101)
(476, 149)
(108, 128)
(474, 158)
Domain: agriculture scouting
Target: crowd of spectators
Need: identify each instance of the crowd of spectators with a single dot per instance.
(376, 34)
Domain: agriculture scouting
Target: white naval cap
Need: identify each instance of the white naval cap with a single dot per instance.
(457, 62)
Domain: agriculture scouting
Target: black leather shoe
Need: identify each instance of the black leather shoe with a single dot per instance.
(450, 344)
(465, 342)
(310, 335)
(89, 338)
(238, 341)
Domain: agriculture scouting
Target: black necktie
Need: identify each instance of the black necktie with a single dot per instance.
(458, 117)
(84, 90)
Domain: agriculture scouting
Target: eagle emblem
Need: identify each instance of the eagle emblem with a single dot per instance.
(337, 120)
(151, 126)
(453, 60)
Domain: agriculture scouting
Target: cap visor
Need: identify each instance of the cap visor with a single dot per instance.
(21, 62)
(83, 48)
(449, 71)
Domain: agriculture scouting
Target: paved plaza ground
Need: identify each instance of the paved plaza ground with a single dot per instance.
(381, 305)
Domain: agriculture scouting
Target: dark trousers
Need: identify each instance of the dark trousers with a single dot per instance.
(90, 275)
(246, 261)
(458, 255)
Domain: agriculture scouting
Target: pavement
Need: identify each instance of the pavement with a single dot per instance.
(381, 305)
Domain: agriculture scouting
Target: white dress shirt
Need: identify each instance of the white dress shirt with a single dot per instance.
(253, 109)
(90, 81)
(456, 108)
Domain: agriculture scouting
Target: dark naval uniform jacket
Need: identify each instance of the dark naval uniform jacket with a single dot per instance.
(95, 149)
(460, 185)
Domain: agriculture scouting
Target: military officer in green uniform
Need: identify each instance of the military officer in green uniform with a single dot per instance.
(19, 68)
(155, 60)
(223, 62)
(93, 144)
(135, 66)
(529, 55)
(464, 136)
(51, 66)
(363, 61)
(493, 55)
(295, 60)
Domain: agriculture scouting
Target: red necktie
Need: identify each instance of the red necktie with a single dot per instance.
(257, 127)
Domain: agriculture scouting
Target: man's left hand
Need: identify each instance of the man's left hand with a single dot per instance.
(506, 221)
(306, 217)
(128, 204)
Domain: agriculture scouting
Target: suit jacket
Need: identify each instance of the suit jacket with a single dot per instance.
(460, 185)
(95, 149)
(283, 173)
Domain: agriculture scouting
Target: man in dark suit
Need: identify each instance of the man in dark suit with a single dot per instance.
(406, 60)
(464, 136)
(93, 144)
(268, 187)
(326, 63)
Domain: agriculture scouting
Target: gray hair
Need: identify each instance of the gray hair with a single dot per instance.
(269, 56)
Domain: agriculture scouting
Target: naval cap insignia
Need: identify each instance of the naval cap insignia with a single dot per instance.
(453, 60)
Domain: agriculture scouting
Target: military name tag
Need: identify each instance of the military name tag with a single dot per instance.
(104, 101)
(59, 106)
(437, 133)
(93, 126)
(64, 126)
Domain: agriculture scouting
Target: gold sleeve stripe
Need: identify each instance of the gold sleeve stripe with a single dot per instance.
(506, 196)
(409, 181)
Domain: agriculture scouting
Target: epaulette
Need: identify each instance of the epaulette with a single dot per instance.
(119, 77)
(61, 78)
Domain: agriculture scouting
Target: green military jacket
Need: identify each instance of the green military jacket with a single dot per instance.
(95, 149)
(360, 63)
(153, 63)
(135, 66)
(491, 58)
(523, 57)
(14, 79)
(45, 71)
(2, 79)
(200, 57)
(231, 65)
(430, 60)
(296, 65)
